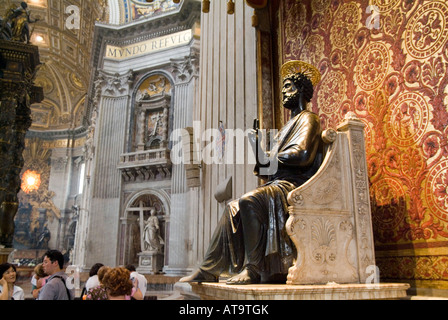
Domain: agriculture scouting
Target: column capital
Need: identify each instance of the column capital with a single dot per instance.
(113, 85)
(183, 69)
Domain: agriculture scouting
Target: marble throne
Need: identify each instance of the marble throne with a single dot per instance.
(330, 218)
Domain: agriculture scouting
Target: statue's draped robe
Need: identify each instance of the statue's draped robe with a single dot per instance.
(274, 251)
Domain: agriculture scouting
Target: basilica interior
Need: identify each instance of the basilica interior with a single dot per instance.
(123, 82)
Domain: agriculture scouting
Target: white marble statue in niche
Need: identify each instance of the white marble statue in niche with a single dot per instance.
(151, 234)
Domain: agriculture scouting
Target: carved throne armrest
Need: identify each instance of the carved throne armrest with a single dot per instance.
(330, 217)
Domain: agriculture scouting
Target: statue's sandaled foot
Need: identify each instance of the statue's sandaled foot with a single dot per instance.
(247, 276)
(200, 276)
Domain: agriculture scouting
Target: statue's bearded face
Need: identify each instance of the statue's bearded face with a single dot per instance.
(290, 94)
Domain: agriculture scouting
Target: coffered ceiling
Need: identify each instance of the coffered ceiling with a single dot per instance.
(64, 35)
(64, 39)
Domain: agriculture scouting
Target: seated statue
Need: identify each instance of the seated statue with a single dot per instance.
(250, 239)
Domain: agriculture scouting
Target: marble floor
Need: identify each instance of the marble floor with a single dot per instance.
(158, 285)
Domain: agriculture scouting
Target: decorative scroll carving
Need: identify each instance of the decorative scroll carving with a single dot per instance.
(323, 236)
(114, 85)
(354, 129)
(184, 69)
(347, 228)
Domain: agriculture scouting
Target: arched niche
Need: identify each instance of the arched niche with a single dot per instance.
(152, 112)
(136, 211)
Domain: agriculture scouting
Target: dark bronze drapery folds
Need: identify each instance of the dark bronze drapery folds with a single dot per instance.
(250, 238)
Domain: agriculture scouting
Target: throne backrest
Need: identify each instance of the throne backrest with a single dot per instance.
(330, 216)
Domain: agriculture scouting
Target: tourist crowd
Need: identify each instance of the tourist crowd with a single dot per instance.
(49, 282)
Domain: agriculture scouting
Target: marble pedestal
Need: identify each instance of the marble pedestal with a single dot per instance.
(150, 262)
(221, 291)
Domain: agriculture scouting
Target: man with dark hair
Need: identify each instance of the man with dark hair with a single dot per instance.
(56, 287)
(251, 239)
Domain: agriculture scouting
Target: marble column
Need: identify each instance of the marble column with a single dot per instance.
(103, 204)
(228, 95)
(79, 250)
(185, 90)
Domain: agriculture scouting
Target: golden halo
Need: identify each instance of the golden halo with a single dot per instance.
(295, 66)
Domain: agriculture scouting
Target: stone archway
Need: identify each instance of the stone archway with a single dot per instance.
(137, 211)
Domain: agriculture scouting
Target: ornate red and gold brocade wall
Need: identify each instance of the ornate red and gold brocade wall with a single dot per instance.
(389, 65)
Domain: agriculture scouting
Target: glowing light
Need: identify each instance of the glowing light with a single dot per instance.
(39, 39)
(37, 3)
(30, 181)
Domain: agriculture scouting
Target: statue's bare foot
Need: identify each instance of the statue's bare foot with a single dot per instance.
(200, 276)
(247, 276)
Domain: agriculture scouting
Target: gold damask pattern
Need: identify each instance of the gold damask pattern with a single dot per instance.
(344, 25)
(385, 5)
(427, 30)
(373, 66)
(395, 78)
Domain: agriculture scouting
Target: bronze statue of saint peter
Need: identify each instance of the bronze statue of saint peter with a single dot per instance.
(250, 239)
